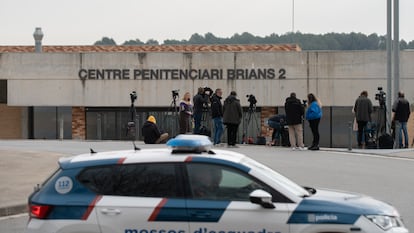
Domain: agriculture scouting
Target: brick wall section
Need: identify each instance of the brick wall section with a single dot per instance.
(10, 122)
(78, 123)
(267, 112)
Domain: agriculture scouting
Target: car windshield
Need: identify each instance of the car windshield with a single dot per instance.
(278, 178)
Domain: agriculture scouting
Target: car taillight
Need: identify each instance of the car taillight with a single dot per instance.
(39, 211)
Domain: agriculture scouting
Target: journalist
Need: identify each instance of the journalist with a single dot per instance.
(294, 116)
(363, 109)
(232, 114)
(401, 109)
(200, 100)
(217, 115)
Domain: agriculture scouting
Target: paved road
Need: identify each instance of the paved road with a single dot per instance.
(388, 177)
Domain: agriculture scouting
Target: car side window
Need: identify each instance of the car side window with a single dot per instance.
(218, 182)
(141, 180)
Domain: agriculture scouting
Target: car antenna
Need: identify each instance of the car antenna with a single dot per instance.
(92, 151)
(135, 146)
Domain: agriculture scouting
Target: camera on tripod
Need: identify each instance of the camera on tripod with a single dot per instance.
(207, 92)
(380, 96)
(133, 96)
(175, 93)
(305, 103)
(251, 99)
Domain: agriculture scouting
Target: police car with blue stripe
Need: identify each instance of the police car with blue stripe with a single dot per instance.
(189, 188)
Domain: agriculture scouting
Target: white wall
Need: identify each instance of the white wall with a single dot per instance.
(51, 79)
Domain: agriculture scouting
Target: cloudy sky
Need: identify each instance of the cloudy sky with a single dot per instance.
(82, 22)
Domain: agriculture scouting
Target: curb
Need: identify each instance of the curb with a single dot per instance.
(390, 153)
(13, 210)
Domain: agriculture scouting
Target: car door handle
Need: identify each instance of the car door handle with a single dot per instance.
(201, 214)
(110, 211)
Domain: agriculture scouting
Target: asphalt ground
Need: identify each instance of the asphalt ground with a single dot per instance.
(26, 163)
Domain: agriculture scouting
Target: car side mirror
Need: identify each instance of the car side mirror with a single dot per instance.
(262, 198)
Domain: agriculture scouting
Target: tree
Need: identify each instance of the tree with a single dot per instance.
(403, 45)
(411, 45)
(152, 42)
(172, 42)
(245, 38)
(307, 41)
(105, 41)
(133, 42)
(196, 39)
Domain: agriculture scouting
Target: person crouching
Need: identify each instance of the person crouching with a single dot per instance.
(151, 132)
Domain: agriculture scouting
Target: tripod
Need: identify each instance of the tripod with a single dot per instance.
(382, 120)
(131, 130)
(251, 114)
(175, 113)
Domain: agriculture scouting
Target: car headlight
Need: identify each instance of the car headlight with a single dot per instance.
(385, 222)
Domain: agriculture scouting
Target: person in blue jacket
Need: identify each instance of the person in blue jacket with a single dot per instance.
(313, 115)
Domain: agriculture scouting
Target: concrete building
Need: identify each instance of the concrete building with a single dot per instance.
(82, 92)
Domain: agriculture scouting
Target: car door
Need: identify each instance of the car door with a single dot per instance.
(139, 198)
(220, 202)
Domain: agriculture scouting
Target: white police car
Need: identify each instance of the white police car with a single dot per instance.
(190, 189)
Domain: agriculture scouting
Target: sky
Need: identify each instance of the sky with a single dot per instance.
(83, 22)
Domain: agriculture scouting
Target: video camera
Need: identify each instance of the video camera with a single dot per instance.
(305, 103)
(175, 93)
(133, 96)
(207, 92)
(251, 99)
(380, 96)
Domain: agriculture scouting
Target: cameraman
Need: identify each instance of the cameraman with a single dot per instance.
(217, 115)
(200, 100)
(363, 109)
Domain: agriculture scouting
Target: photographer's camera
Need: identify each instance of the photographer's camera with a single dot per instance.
(380, 96)
(175, 93)
(208, 92)
(251, 99)
(133, 96)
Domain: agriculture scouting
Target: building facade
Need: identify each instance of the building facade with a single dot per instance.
(83, 92)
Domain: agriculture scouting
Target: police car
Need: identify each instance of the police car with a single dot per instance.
(189, 188)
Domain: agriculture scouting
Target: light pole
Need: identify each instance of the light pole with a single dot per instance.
(389, 64)
(396, 48)
(393, 62)
(293, 16)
